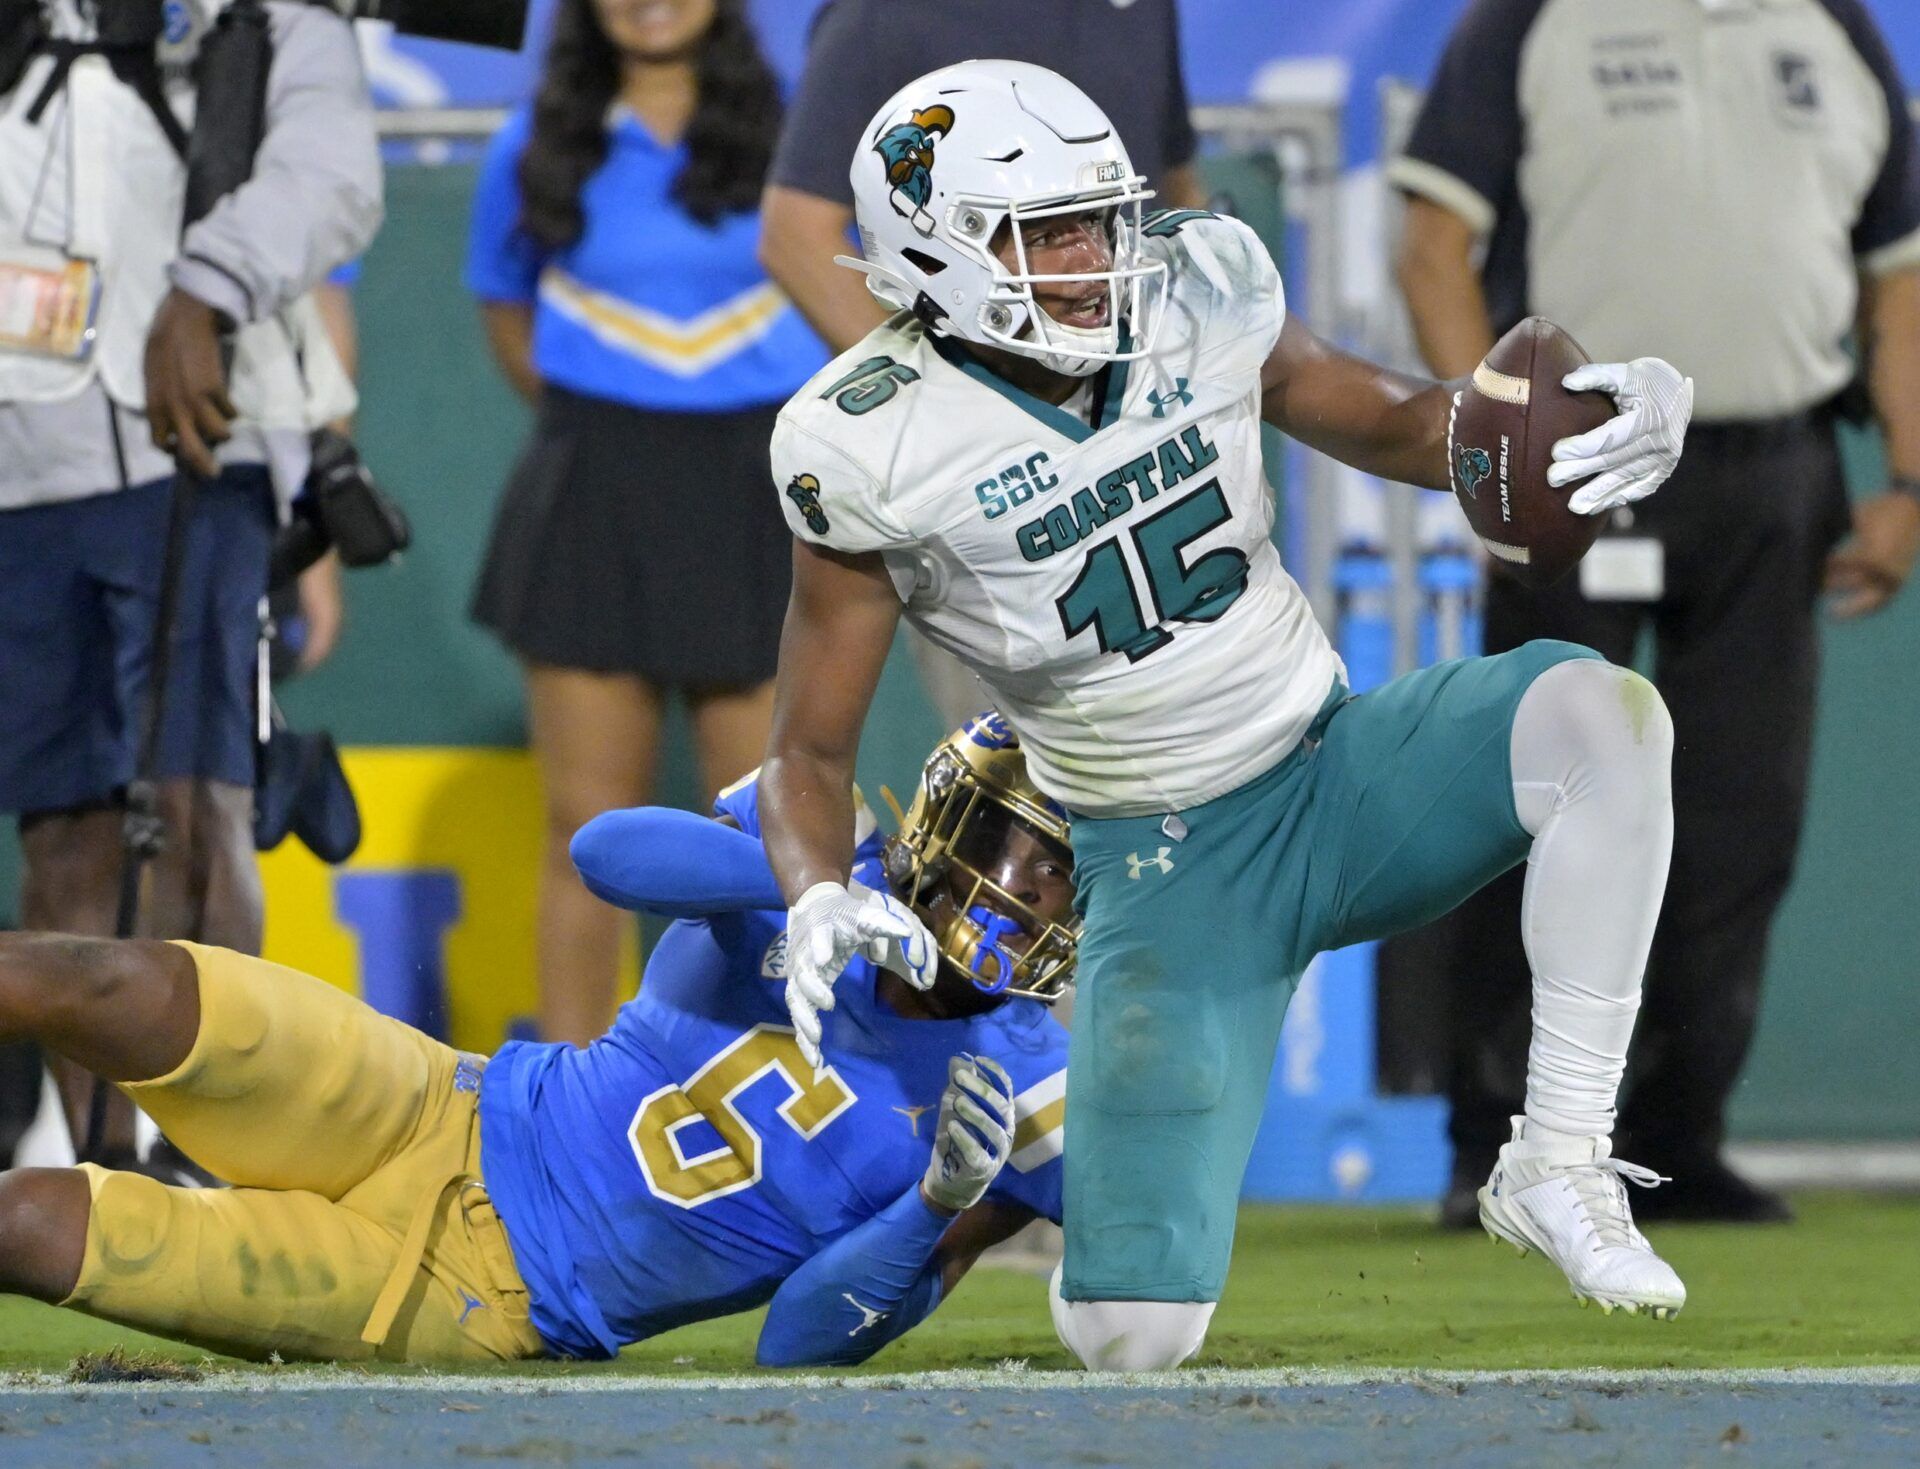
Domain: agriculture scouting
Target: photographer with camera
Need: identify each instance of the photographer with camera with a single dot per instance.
(173, 183)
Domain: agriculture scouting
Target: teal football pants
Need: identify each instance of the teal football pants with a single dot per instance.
(1397, 805)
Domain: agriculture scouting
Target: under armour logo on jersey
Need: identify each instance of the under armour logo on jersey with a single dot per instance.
(773, 963)
(912, 1114)
(1161, 860)
(1163, 401)
(870, 1317)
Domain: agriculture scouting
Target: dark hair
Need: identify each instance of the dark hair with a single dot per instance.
(729, 138)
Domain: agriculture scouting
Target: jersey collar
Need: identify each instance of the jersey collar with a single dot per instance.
(1109, 393)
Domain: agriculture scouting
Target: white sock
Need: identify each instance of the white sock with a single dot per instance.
(1128, 1336)
(1592, 754)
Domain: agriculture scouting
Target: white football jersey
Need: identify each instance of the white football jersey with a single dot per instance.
(1113, 585)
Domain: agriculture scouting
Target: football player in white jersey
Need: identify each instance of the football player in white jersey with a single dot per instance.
(1049, 461)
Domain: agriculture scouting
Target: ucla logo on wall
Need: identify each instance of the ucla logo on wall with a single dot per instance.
(432, 921)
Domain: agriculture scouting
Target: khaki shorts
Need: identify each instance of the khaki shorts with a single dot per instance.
(358, 1226)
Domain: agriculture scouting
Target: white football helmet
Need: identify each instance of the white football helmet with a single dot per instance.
(964, 150)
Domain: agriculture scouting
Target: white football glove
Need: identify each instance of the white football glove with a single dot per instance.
(914, 955)
(826, 928)
(974, 1138)
(1629, 456)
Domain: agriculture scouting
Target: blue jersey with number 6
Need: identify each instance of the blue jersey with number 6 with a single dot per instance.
(688, 1161)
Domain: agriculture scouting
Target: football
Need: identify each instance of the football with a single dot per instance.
(1500, 446)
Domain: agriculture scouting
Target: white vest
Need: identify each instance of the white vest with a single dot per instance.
(96, 179)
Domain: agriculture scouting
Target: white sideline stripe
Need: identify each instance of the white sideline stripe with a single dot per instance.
(1002, 1379)
(1889, 1165)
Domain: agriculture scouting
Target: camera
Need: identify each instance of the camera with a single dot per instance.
(341, 509)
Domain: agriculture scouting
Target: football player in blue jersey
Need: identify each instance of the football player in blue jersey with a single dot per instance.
(399, 1200)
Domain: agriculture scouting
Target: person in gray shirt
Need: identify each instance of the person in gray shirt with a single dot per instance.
(93, 428)
(1729, 184)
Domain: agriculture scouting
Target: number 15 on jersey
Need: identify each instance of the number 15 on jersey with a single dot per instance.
(1106, 596)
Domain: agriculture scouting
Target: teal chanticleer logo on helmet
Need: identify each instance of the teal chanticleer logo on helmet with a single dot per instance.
(1470, 468)
(906, 149)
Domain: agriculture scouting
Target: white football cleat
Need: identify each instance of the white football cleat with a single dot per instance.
(1563, 1196)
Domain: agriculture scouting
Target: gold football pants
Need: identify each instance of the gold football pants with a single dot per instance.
(358, 1226)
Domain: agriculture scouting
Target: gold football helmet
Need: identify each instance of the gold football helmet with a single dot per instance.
(973, 788)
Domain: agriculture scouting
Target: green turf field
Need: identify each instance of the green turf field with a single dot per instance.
(1378, 1288)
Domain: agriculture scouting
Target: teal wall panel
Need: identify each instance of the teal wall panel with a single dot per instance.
(1838, 1053)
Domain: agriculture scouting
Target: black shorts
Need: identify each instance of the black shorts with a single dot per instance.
(643, 543)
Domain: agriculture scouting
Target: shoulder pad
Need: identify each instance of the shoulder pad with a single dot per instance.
(1221, 275)
(836, 440)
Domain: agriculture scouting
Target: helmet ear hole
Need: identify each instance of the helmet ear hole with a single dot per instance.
(899, 864)
(923, 262)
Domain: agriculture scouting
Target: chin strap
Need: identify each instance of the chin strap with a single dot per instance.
(1093, 339)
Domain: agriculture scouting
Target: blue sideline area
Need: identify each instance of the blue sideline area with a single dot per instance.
(834, 1426)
